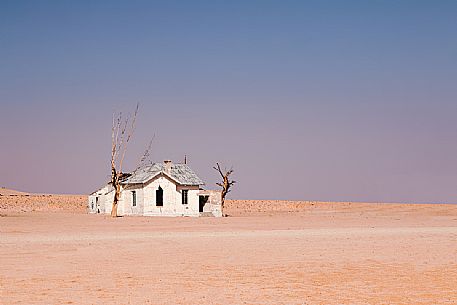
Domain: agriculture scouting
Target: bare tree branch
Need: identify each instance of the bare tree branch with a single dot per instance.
(226, 182)
(129, 135)
(145, 155)
(121, 133)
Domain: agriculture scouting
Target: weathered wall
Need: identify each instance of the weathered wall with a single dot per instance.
(172, 203)
(126, 203)
(213, 205)
(92, 203)
(104, 200)
(146, 200)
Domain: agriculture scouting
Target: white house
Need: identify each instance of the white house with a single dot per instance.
(160, 189)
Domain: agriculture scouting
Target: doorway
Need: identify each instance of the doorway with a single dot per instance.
(202, 200)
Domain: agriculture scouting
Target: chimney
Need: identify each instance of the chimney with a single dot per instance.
(167, 164)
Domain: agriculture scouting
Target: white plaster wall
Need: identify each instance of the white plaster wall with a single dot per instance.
(172, 200)
(91, 203)
(104, 200)
(126, 203)
(146, 199)
(213, 205)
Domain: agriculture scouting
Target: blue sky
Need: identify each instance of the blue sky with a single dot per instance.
(318, 100)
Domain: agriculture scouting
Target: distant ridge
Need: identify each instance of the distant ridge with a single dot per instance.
(8, 192)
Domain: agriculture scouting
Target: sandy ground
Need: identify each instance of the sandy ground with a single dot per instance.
(269, 252)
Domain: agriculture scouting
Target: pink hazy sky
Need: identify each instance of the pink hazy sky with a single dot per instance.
(306, 100)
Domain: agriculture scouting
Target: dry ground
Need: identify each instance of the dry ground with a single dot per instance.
(267, 253)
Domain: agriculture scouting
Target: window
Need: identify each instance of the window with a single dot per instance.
(134, 198)
(159, 197)
(184, 196)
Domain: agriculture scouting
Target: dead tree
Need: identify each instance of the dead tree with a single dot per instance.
(226, 183)
(121, 133)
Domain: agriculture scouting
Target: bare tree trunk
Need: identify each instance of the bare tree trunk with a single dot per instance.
(117, 194)
(226, 184)
(120, 137)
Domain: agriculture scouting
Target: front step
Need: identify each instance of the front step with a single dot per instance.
(206, 214)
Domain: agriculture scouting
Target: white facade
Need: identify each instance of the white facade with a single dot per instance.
(159, 195)
(173, 198)
(99, 198)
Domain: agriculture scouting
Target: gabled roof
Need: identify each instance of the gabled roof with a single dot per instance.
(181, 173)
(100, 190)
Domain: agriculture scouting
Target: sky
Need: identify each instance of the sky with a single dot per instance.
(306, 100)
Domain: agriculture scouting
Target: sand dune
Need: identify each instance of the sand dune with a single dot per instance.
(21, 203)
(9, 192)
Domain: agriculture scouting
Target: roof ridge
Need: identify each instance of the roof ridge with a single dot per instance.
(181, 173)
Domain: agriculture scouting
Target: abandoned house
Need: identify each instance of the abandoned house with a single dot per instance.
(160, 189)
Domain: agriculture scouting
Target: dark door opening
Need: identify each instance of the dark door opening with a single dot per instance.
(202, 200)
(159, 197)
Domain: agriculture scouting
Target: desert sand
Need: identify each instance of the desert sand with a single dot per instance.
(267, 252)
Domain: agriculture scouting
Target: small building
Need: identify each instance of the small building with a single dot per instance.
(159, 189)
